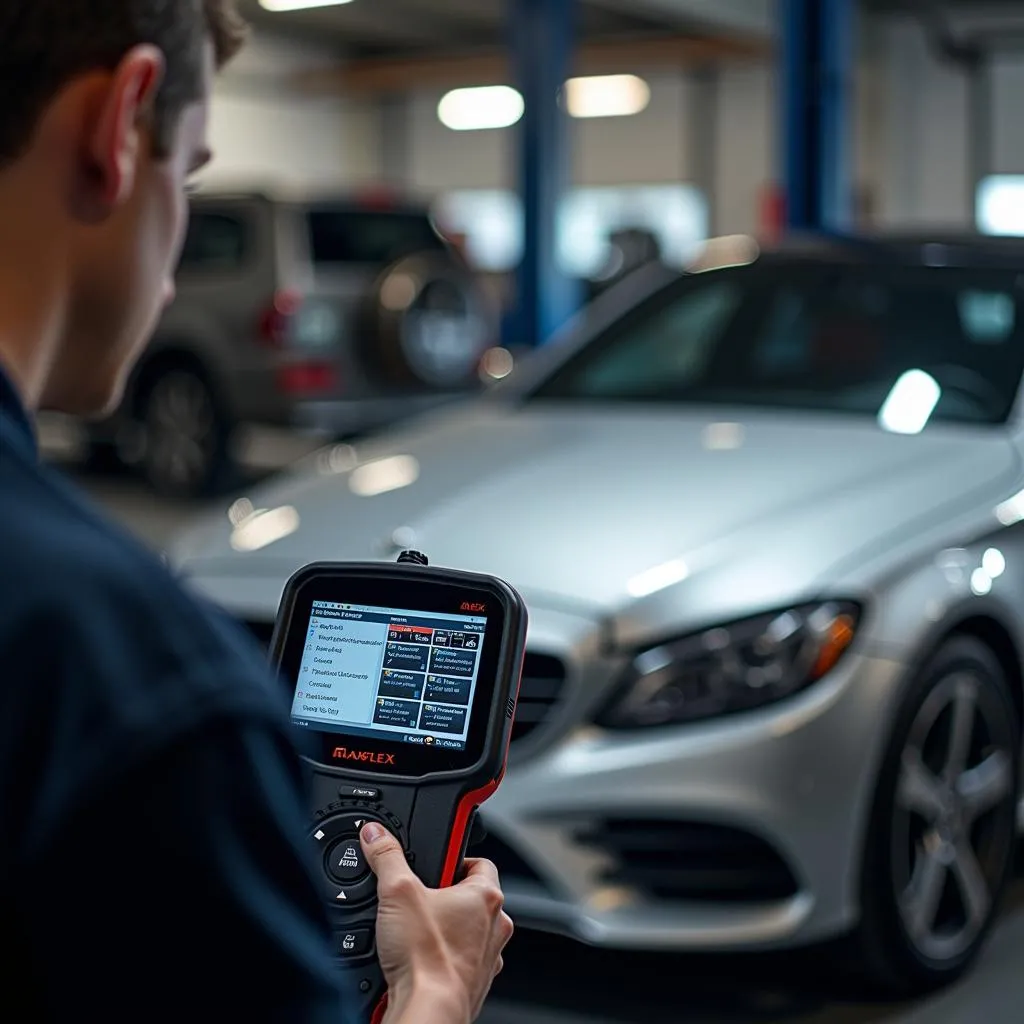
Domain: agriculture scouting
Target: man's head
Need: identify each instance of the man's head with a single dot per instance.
(103, 119)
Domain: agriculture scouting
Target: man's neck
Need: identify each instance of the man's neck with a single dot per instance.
(32, 305)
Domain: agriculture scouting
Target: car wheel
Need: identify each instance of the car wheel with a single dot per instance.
(104, 457)
(186, 435)
(941, 842)
(427, 326)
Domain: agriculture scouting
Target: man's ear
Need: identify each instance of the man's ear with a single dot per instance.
(120, 131)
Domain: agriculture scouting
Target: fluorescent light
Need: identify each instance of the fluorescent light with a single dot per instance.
(607, 96)
(299, 5)
(659, 578)
(489, 106)
(911, 403)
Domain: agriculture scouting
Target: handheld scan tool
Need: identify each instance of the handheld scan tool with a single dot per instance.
(405, 683)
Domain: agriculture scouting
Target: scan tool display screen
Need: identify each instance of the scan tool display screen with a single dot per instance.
(389, 673)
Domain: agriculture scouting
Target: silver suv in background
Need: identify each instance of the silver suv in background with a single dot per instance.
(329, 315)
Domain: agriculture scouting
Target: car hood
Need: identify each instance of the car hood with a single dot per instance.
(600, 510)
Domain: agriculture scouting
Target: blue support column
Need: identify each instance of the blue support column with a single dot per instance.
(817, 91)
(542, 38)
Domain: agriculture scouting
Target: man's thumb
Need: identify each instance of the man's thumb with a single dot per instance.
(383, 851)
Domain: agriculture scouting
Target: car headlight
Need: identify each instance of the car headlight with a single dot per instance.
(733, 668)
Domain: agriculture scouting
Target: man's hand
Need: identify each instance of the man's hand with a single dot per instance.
(440, 950)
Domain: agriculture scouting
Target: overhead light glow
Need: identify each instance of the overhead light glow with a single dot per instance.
(264, 527)
(384, 475)
(910, 404)
(299, 5)
(981, 582)
(497, 364)
(999, 205)
(473, 110)
(720, 437)
(607, 96)
(993, 562)
(240, 511)
(1011, 511)
(659, 578)
(336, 460)
(285, 5)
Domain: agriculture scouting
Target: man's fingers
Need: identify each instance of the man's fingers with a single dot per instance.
(383, 853)
(481, 871)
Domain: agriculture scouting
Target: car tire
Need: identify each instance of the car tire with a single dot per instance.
(941, 841)
(186, 434)
(427, 325)
(104, 458)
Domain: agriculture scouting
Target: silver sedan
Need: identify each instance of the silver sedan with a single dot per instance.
(767, 521)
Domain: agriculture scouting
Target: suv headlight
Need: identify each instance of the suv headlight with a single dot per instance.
(733, 668)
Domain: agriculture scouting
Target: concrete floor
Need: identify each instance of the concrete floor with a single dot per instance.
(553, 981)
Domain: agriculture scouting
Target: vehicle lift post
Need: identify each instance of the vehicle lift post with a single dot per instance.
(817, 67)
(541, 36)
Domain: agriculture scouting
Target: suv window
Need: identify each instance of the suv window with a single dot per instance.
(842, 339)
(376, 237)
(215, 241)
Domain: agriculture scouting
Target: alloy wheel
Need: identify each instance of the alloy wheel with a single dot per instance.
(181, 432)
(953, 816)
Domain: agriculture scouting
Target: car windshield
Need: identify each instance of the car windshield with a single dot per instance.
(908, 345)
(375, 237)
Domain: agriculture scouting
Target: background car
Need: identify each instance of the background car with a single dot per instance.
(766, 519)
(329, 315)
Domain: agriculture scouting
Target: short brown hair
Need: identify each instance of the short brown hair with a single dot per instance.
(46, 43)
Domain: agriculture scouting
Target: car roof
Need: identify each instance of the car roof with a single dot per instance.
(912, 248)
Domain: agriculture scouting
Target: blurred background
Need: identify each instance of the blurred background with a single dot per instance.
(702, 321)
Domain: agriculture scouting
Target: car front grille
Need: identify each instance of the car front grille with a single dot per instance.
(539, 692)
(511, 866)
(684, 861)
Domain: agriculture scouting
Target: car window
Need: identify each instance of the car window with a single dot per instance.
(368, 237)
(669, 349)
(816, 338)
(215, 241)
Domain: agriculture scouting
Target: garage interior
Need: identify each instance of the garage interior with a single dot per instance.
(758, 122)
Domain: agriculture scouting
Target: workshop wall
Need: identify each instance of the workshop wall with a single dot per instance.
(265, 135)
(649, 147)
(912, 134)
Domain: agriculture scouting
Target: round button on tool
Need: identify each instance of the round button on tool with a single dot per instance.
(345, 862)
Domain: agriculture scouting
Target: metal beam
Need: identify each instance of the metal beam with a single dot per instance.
(542, 41)
(496, 67)
(817, 89)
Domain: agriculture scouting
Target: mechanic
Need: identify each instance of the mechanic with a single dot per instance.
(152, 815)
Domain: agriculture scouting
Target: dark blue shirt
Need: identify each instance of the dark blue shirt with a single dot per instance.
(152, 816)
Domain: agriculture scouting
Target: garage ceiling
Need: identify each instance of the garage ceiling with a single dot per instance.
(403, 28)
(396, 28)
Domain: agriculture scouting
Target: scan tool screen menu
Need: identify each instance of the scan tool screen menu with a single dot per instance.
(391, 673)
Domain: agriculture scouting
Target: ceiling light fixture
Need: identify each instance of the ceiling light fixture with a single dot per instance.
(607, 96)
(478, 109)
(299, 5)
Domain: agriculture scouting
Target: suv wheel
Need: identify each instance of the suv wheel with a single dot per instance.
(428, 325)
(942, 838)
(186, 435)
